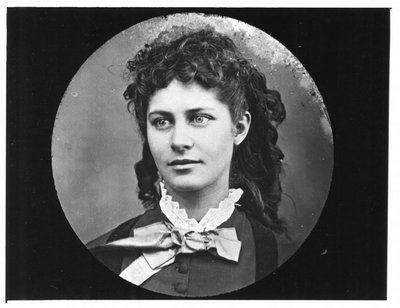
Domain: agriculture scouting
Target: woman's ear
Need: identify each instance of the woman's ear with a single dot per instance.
(242, 128)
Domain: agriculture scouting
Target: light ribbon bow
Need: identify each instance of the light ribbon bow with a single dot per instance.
(161, 242)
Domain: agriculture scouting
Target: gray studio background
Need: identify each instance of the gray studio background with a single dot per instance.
(96, 142)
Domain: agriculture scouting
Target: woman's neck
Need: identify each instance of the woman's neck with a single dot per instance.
(197, 203)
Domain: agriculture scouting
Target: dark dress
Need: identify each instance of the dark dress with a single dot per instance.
(199, 274)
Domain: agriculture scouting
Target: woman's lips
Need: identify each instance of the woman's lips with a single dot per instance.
(183, 163)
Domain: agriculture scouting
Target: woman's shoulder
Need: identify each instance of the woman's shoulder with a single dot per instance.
(266, 248)
(261, 231)
(124, 229)
(121, 229)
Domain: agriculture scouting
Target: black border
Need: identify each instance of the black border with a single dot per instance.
(346, 51)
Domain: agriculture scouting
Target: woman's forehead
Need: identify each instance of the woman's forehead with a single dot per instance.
(179, 97)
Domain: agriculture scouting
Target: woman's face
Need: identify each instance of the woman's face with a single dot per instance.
(191, 137)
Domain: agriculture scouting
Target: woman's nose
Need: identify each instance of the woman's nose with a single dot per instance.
(181, 139)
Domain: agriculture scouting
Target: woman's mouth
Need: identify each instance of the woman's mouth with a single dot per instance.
(183, 163)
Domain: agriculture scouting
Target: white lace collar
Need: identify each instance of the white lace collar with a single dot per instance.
(213, 218)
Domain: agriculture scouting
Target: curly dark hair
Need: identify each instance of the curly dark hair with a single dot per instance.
(212, 60)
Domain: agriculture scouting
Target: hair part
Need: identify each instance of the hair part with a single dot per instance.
(213, 61)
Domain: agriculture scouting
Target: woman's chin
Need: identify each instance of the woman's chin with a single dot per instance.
(185, 184)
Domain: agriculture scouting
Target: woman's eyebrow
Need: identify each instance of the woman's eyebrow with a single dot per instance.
(159, 112)
(188, 112)
(197, 110)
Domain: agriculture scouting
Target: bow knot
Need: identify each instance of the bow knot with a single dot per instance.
(161, 242)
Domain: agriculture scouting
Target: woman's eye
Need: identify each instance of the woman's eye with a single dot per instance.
(200, 119)
(161, 123)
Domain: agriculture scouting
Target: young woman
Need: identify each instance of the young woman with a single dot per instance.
(209, 176)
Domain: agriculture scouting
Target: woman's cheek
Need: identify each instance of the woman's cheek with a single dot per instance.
(157, 144)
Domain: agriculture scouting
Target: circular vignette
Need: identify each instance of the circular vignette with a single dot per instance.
(96, 142)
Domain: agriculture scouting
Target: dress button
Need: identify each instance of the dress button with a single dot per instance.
(183, 268)
(180, 288)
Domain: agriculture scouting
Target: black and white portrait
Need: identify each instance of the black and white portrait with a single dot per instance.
(192, 154)
(205, 153)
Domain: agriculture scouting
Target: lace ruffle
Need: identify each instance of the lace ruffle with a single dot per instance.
(213, 218)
